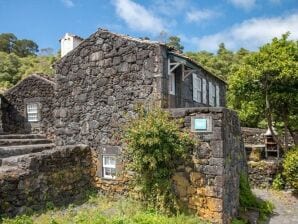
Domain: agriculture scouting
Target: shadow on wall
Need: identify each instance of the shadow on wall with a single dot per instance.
(12, 120)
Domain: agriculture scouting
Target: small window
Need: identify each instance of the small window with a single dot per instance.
(204, 91)
(32, 112)
(211, 94)
(217, 96)
(197, 88)
(109, 167)
(172, 84)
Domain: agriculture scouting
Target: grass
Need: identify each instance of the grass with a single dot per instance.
(103, 210)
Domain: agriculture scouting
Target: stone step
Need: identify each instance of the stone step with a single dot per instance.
(9, 151)
(11, 142)
(21, 161)
(22, 136)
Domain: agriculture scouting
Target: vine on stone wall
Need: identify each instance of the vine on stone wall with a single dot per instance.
(154, 144)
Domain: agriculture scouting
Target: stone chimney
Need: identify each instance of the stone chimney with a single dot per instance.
(69, 42)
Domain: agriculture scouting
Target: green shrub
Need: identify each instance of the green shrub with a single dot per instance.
(290, 168)
(278, 182)
(238, 221)
(154, 145)
(249, 201)
(24, 219)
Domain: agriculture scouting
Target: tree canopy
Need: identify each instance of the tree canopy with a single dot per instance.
(174, 41)
(18, 59)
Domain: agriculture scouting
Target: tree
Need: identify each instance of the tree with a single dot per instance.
(268, 80)
(25, 48)
(7, 41)
(174, 41)
(9, 70)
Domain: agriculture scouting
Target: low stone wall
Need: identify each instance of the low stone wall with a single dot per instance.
(261, 174)
(209, 182)
(55, 176)
(253, 136)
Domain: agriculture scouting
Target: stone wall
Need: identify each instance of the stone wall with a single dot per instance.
(100, 83)
(209, 182)
(57, 176)
(261, 174)
(253, 136)
(33, 89)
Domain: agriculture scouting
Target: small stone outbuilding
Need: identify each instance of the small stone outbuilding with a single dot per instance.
(28, 106)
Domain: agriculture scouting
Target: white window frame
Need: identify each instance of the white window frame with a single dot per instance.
(172, 83)
(108, 166)
(217, 96)
(197, 88)
(204, 91)
(212, 95)
(32, 112)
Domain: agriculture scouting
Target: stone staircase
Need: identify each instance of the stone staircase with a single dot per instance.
(15, 148)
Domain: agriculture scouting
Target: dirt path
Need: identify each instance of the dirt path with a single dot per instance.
(286, 206)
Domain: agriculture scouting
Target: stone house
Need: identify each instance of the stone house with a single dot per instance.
(107, 75)
(98, 87)
(27, 107)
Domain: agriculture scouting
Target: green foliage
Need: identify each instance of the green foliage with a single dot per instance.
(14, 68)
(9, 43)
(24, 219)
(104, 210)
(174, 42)
(278, 182)
(238, 221)
(290, 168)
(269, 73)
(154, 145)
(249, 201)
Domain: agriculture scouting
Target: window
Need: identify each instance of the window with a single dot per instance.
(32, 112)
(204, 91)
(197, 88)
(109, 167)
(211, 94)
(172, 84)
(217, 96)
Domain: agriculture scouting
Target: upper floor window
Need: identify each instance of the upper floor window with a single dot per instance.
(212, 94)
(32, 112)
(217, 96)
(204, 91)
(197, 88)
(109, 167)
(172, 84)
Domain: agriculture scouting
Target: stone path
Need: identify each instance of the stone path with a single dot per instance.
(286, 206)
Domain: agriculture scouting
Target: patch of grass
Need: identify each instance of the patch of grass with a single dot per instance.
(249, 201)
(104, 210)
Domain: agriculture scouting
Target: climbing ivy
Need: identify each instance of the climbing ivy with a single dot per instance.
(154, 144)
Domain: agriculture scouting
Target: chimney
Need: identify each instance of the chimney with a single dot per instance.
(69, 42)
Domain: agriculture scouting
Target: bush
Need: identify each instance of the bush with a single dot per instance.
(154, 145)
(290, 168)
(249, 201)
(278, 182)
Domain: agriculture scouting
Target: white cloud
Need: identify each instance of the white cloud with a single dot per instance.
(170, 7)
(68, 3)
(244, 4)
(250, 34)
(200, 15)
(138, 17)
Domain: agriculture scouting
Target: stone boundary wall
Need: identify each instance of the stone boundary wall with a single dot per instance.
(57, 176)
(262, 173)
(253, 135)
(209, 182)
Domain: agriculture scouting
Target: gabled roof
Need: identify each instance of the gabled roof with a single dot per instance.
(171, 50)
(42, 77)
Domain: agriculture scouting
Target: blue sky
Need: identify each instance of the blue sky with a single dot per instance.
(201, 24)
